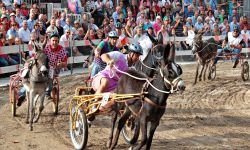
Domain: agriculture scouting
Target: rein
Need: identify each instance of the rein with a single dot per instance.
(205, 47)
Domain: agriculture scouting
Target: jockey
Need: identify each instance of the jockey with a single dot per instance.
(104, 47)
(57, 59)
(232, 43)
(107, 79)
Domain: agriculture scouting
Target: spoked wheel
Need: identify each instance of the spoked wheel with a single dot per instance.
(245, 71)
(13, 96)
(78, 128)
(131, 130)
(55, 98)
(212, 72)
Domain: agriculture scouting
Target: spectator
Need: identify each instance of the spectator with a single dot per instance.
(178, 26)
(245, 30)
(12, 32)
(42, 30)
(66, 37)
(141, 18)
(36, 31)
(63, 19)
(194, 18)
(157, 25)
(163, 12)
(115, 15)
(134, 8)
(199, 25)
(24, 32)
(244, 23)
(123, 9)
(138, 33)
(75, 28)
(19, 18)
(129, 29)
(234, 14)
(90, 7)
(31, 21)
(233, 23)
(85, 21)
(98, 14)
(151, 17)
(162, 35)
(208, 31)
(24, 11)
(92, 24)
(90, 35)
(189, 12)
(59, 27)
(146, 24)
(216, 30)
(52, 28)
(210, 14)
(189, 22)
(224, 6)
(223, 26)
(108, 9)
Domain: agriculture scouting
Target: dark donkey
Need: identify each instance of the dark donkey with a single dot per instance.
(152, 106)
(205, 51)
(36, 83)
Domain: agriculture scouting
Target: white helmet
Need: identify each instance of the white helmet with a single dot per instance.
(113, 34)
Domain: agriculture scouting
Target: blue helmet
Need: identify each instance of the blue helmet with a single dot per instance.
(236, 27)
(136, 48)
(118, 25)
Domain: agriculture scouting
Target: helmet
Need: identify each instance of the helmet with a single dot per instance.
(236, 27)
(54, 34)
(113, 34)
(118, 25)
(136, 48)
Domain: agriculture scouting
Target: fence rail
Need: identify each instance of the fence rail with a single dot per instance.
(80, 59)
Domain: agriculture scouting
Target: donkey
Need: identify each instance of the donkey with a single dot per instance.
(36, 84)
(152, 106)
(205, 51)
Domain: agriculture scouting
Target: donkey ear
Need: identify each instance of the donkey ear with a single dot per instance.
(171, 55)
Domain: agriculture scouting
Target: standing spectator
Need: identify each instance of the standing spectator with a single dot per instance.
(90, 35)
(210, 14)
(19, 17)
(151, 17)
(189, 12)
(138, 33)
(42, 30)
(31, 21)
(245, 30)
(162, 35)
(224, 5)
(186, 4)
(75, 28)
(85, 21)
(7, 4)
(18, 3)
(141, 18)
(123, 9)
(66, 37)
(36, 31)
(146, 24)
(194, 18)
(163, 12)
(108, 10)
(24, 32)
(92, 24)
(13, 20)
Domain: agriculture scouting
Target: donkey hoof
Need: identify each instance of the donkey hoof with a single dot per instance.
(31, 128)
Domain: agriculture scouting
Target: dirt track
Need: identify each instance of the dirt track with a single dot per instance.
(209, 115)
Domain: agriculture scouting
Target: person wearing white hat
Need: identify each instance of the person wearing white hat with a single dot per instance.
(157, 24)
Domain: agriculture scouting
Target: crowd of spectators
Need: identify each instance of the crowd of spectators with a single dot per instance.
(130, 18)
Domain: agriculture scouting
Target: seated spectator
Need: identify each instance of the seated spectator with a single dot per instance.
(24, 32)
(178, 26)
(68, 25)
(216, 30)
(199, 25)
(52, 28)
(36, 30)
(129, 29)
(222, 15)
(244, 23)
(208, 31)
(223, 26)
(13, 20)
(233, 23)
(138, 33)
(157, 25)
(90, 35)
(19, 18)
(245, 30)
(31, 21)
(189, 22)
(92, 24)
(59, 27)
(66, 37)
(146, 24)
(12, 32)
(75, 27)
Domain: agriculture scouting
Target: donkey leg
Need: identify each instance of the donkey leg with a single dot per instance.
(113, 121)
(41, 107)
(32, 109)
(121, 123)
(205, 71)
(143, 124)
(200, 75)
(153, 127)
(28, 110)
(196, 73)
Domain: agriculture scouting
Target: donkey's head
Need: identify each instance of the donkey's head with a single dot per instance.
(40, 60)
(170, 71)
(197, 43)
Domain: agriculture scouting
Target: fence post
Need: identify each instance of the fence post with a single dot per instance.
(71, 53)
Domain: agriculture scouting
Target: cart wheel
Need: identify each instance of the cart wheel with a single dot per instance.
(245, 71)
(131, 131)
(55, 94)
(78, 128)
(13, 96)
(212, 72)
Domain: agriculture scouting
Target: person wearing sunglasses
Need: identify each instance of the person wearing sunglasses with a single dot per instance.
(231, 44)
